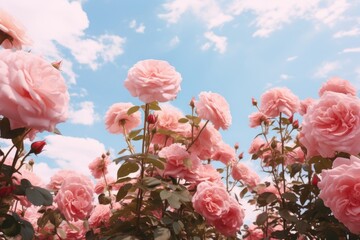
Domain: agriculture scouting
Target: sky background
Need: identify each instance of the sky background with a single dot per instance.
(237, 48)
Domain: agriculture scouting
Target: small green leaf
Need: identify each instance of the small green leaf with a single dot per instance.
(138, 137)
(57, 131)
(9, 226)
(164, 194)
(261, 218)
(243, 192)
(123, 191)
(289, 196)
(133, 110)
(27, 230)
(39, 196)
(151, 182)
(161, 233)
(155, 162)
(126, 168)
(134, 133)
(177, 227)
(183, 120)
(154, 106)
(174, 201)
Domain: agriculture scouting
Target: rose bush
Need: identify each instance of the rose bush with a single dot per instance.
(185, 181)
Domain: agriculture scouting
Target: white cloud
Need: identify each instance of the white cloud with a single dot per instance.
(139, 28)
(333, 12)
(174, 41)
(292, 58)
(44, 171)
(350, 33)
(326, 68)
(63, 23)
(85, 115)
(284, 77)
(351, 50)
(220, 42)
(207, 11)
(71, 152)
(205, 46)
(81, 93)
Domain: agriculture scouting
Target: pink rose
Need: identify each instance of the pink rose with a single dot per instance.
(295, 156)
(340, 191)
(214, 107)
(256, 145)
(257, 118)
(75, 197)
(110, 184)
(100, 216)
(207, 143)
(12, 33)
(254, 233)
(179, 162)
(206, 172)
(224, 153)
(58, 178)
(279, 100)
(241, 172)
(339, 85)
(117, 119)
(76, 231)
(332, 124)
(168, 119)
(211, 200)
(98, 166)
(304, 105)
(32, 91)
(153, 80)
(231, 221)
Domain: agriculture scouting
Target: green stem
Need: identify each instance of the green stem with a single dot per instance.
(201, 130)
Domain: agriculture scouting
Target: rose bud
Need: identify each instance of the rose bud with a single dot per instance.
(192, 102)
(296, 124)
(254, 102)
(151, 119)
(37, 147)
(291, 119)
(315, 180)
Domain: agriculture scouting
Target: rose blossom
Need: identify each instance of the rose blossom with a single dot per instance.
(340, 191)
(101, 187)
(254, 233)
(58, 178)
(206, 172)
(256, 145)
(208, 141)
(98, 166)
(224, 153)
(33, 92)
(279, 100)
(179, 162)
(332, 124)
(304, 105)
(231, 221)
(153, 80)
(339, 85)
(99, 216)
(12, 32)
(214, 107)
(296, 155)
(211, 200)
(116, 118)
(242, 173)
(74, 198)
(256, 119)
(168, 119)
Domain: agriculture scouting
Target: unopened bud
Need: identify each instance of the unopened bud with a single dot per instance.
(315, 180)
(151, 119)
(241, 155)
(296, 124)
(192, 102)
(254, 102)
(31, 162)
(103, 156)
(291, 119)
(37, 147)
(236, 146)
(57, 64)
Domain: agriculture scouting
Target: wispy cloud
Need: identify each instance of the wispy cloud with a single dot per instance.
(326, 68)
(350, 33)
(139, 28)
(65, 30)
(292, 58)
(84, 115)
(351, 50)
(284, 77)
(208, 11)
(174, 41)
(219, 42)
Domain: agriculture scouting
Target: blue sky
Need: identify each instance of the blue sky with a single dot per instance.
(238, 48)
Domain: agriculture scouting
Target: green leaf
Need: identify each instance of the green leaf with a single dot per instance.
(123, 191)
(126, 168)
(138, 137)
(174, 201)
(243, 192)
(57, 131)
(177, 227)
(289, 196)
(151, 182)
(133, 110)
(39, 196)
(261, 218)
(155, 162)
(27, 230)
(161, 233)
(10, 226)
(266, 198)
(165, 194)
(122, 151)
(284, 213)
(121, 180)
(134, 133)
(7, 132)
(183, 120)
(154, 106)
